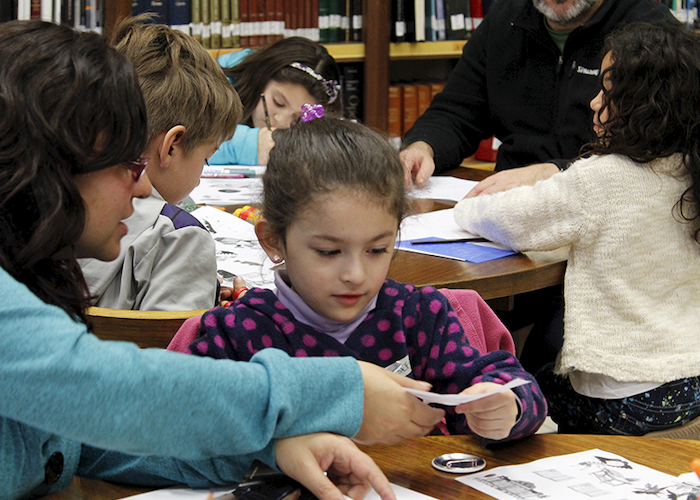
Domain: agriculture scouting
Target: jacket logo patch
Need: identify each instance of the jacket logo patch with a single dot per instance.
(587, 71)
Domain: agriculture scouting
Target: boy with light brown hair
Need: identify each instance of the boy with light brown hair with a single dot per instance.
(167, 259)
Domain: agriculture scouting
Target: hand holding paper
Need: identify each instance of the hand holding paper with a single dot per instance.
(458, 399)
(490, 417)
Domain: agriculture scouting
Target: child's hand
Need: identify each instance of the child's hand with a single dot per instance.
(229, 294)
(306, 458)
(491, 417)
(265, 144)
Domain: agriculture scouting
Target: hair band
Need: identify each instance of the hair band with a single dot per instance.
(332, 86)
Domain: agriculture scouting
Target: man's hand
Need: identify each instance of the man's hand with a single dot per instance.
(508, 179)
(390, 413)
(491, 417)
(418, 163)
(350, 471)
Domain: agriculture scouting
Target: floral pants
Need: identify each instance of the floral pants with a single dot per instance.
(670, 405)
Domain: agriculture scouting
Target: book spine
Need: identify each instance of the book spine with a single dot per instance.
(196, 23)
(215, 23)
(336, 13)
(245, 23)
(424, 97)
(395, 107)
(419, 19)
(440, 12)
(279, 19)
(46, 10)
(324, 21)
(235, 24)
(290, 18)
(352, 92)
(179, 14)
(477, 13)
(270, 21)
(226, 27)
(356, 20)
(345, 21)
(24, 9)
(68, 12)
(398, 16)
(430, 21)
(410, 106)
(206, 24)
(313, 20)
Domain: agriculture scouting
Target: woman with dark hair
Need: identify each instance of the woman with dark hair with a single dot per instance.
(72, 127)
(630, 212)
(289, 73)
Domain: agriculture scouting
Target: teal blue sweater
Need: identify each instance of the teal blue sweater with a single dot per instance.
(63, 390)
(242, 149)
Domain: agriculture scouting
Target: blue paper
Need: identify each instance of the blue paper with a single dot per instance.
(469, 252)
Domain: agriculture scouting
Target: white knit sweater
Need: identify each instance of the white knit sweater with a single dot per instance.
(632, 284)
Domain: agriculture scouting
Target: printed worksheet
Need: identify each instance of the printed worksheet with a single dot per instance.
(238, 252)
(592, 474)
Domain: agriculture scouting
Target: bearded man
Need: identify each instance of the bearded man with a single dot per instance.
(526, 76)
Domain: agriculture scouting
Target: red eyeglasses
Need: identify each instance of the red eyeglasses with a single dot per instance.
(136, 167)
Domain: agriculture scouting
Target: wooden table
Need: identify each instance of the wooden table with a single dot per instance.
(503, 277)
(408, 464)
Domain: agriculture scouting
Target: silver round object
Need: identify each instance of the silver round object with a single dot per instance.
(459, 463)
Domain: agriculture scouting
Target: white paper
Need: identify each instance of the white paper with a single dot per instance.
(186, 494)
(580, 476)
(444, 188)
(238, 251)
(437, 224)
(458, 399)
(224, 494)
(212, 191)
(401, 494)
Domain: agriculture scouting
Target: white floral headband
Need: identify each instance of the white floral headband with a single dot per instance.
(332, 86)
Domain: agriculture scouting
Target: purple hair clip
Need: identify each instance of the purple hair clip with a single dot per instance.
(311, 111)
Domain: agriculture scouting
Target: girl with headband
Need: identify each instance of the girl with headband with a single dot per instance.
(289, 73)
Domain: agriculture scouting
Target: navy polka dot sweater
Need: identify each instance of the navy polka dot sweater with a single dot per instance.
(415, 328)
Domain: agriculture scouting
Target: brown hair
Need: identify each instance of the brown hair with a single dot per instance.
(61, 92)
(181, 83)
(251, 76)
(654, 102)
(322, 155)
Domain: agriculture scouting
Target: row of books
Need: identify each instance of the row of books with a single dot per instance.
(80, 14)
(432, 20)
(407, 102)
(252, 23)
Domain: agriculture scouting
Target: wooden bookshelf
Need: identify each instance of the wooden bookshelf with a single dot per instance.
(376, 52)
(426, 50)
(341, 52)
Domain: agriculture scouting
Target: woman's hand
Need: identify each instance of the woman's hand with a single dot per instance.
(491, 417)
(390, 413)
(350, 472)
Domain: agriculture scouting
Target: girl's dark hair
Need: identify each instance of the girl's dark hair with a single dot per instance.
(252, 75)
(69, 104)
(322, 155)
(653, 102)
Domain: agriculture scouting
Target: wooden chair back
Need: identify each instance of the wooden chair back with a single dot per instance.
(144, 328)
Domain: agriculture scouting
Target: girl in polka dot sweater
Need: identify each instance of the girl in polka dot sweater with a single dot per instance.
(333, 200)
